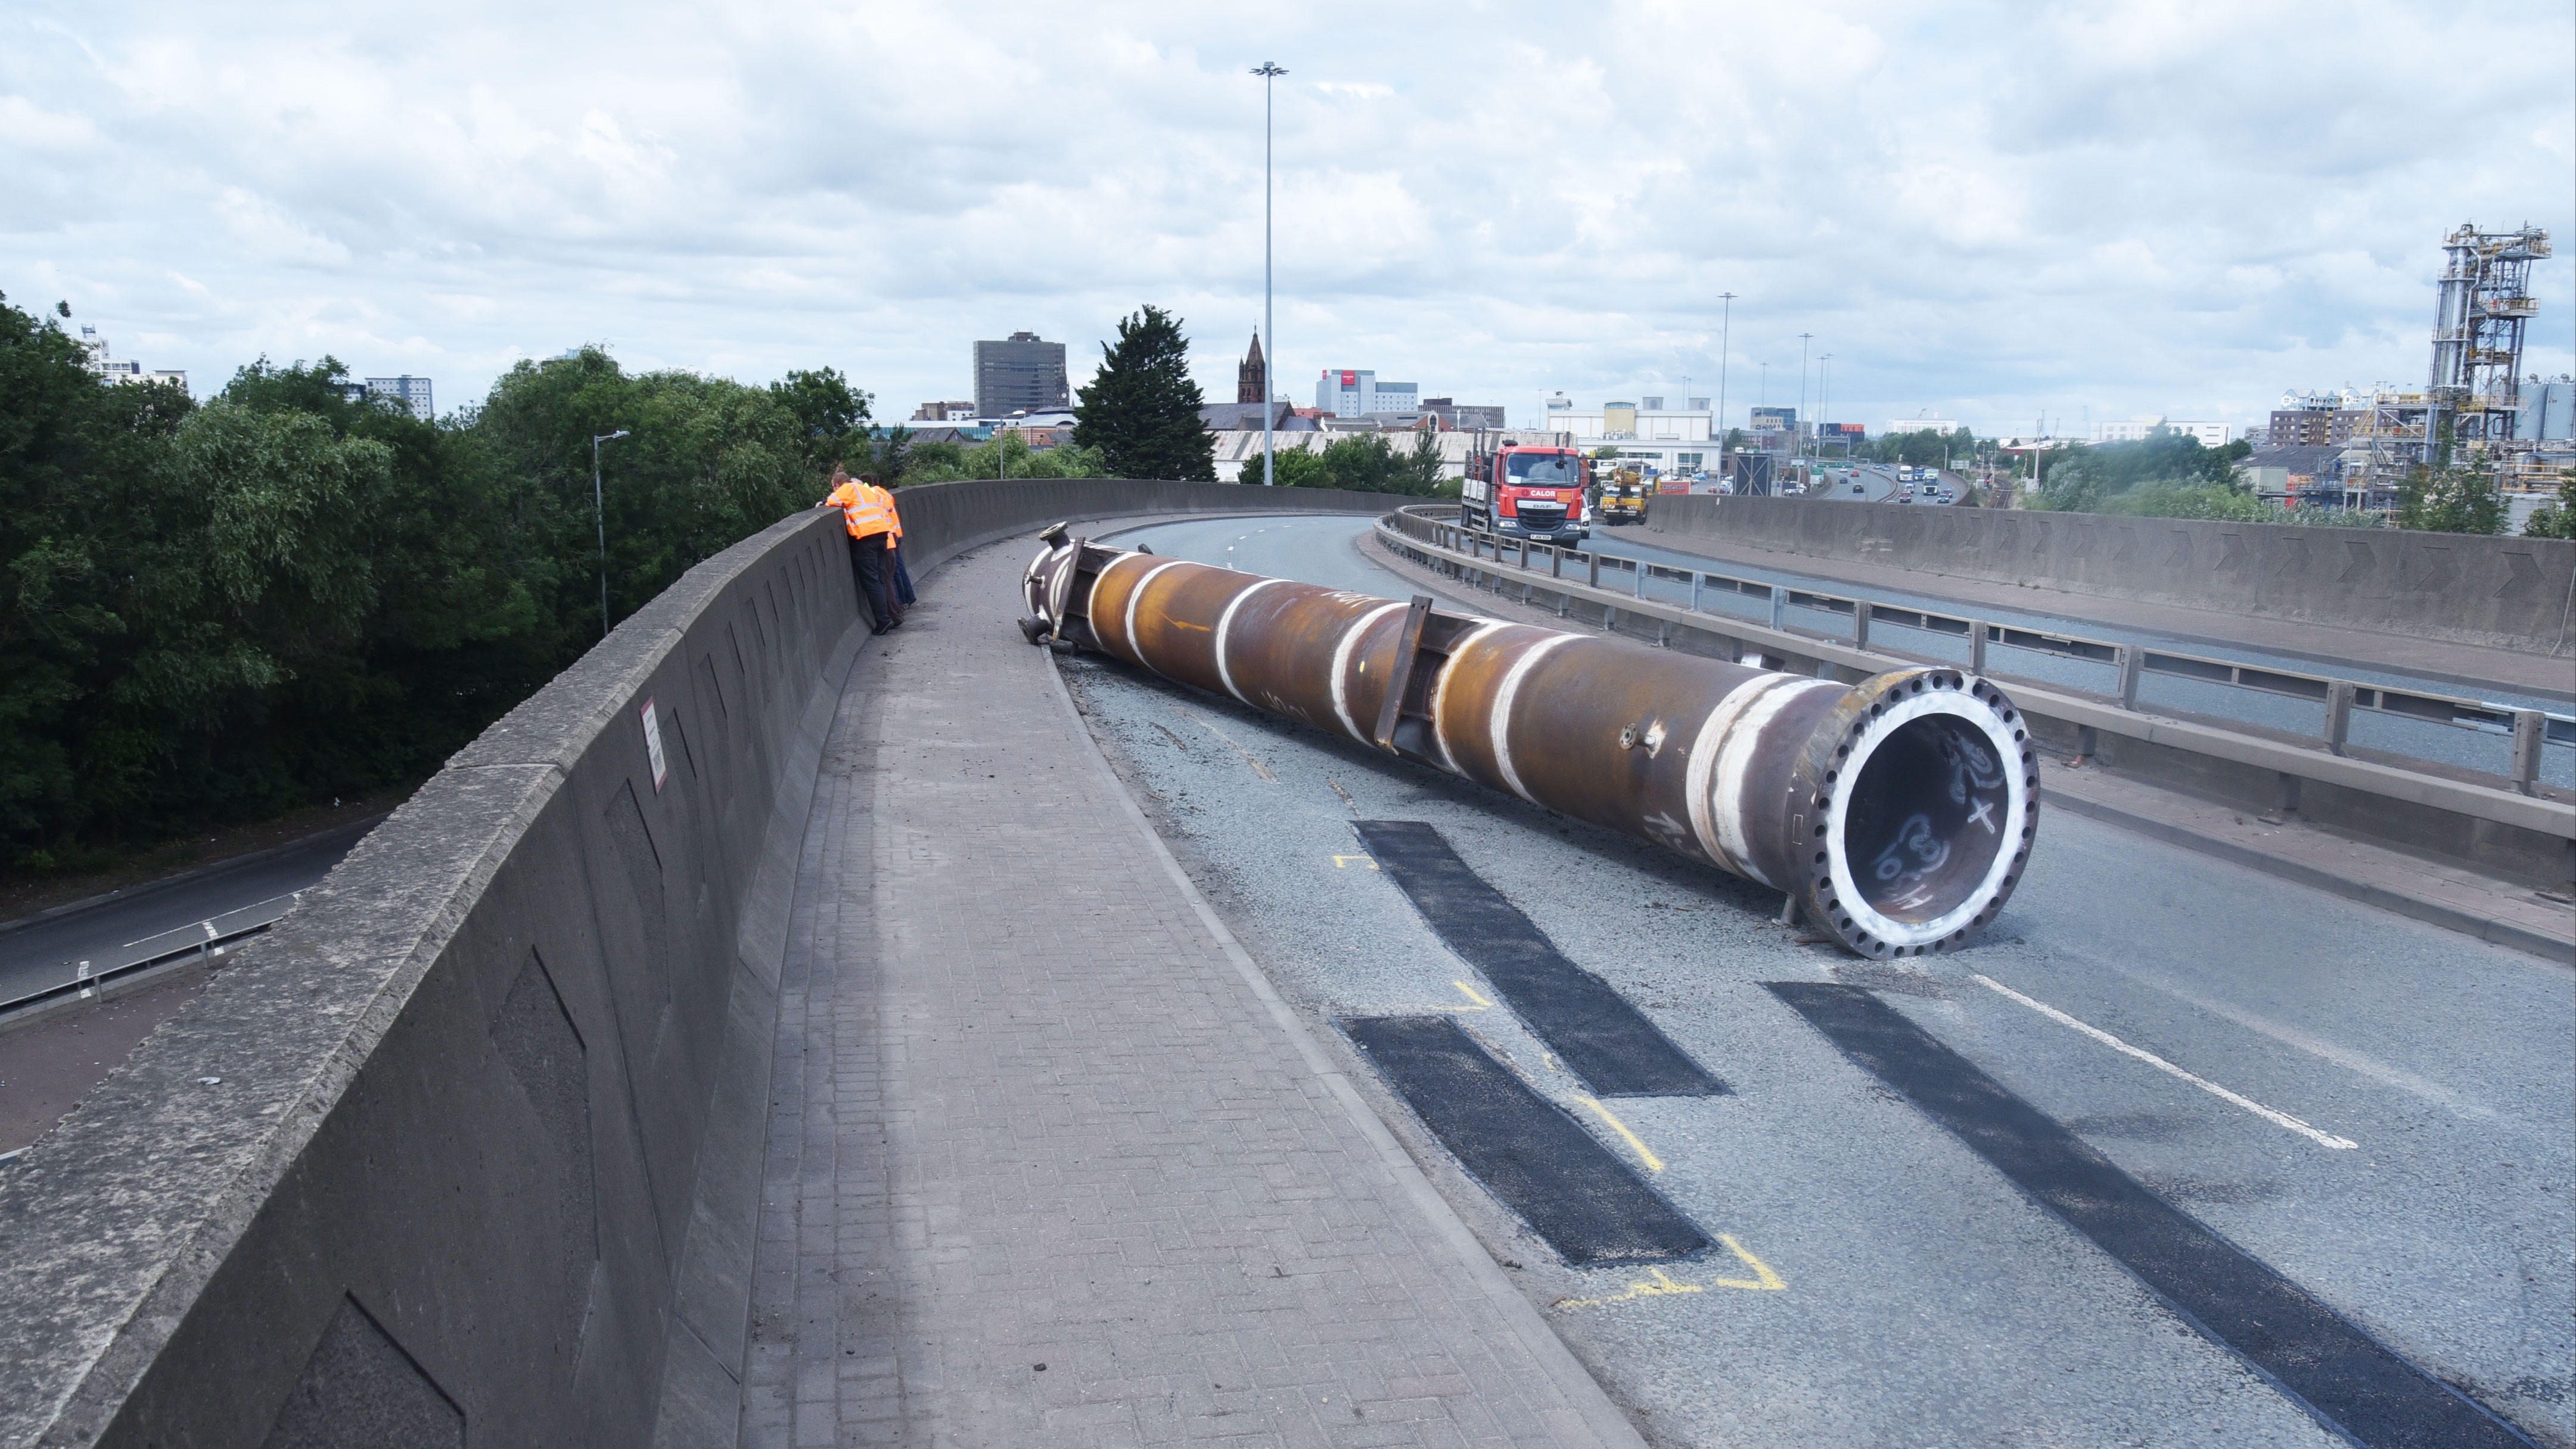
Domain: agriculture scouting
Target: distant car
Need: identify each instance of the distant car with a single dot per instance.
(1905, 488)
(1857, 488)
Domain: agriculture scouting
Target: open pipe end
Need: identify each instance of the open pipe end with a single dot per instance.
(1919, 799)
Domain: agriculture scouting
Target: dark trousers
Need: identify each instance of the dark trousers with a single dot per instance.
(902, 579)
(868, 562)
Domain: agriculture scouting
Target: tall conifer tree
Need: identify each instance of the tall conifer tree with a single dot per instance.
(1142, 410)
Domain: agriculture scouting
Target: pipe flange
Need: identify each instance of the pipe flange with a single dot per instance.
(1914, 807)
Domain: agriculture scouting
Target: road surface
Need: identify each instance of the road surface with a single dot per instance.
(2373, 1110)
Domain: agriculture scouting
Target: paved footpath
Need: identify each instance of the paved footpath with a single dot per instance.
(1033, 1107)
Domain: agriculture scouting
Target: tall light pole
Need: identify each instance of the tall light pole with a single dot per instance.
(1269, 71)
(1725, 335)
(1803, 422)
(599, 513)
(1825, 396)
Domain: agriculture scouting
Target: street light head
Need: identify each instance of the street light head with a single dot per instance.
(1269, 68)
(609, 437)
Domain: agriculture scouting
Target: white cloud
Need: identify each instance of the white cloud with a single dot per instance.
(1980, 209)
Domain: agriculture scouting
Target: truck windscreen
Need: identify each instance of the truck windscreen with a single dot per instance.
(1541, 470)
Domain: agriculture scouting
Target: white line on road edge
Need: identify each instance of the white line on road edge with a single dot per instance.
(2278, 1119)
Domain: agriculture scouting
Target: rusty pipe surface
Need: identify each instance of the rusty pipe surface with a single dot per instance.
(1898, 812)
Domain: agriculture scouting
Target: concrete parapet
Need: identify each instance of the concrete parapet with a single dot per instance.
(2502, 592)
(470, 1146)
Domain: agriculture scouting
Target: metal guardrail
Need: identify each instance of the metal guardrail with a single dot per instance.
(206, 939)
(2532, 731)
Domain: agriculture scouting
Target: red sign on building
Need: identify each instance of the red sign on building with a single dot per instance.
(1350, 379)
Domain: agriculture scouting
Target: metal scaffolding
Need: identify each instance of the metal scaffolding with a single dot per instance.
(2475, 389)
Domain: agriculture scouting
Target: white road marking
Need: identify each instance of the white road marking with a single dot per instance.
(2278, 1119)
(2342, 1056)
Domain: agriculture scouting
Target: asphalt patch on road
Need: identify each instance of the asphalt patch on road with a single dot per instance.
(1590, 1206)
(2351, 1382)
(1591, 1028)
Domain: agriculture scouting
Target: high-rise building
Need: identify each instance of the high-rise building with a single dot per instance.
(123, 370)
(1020, 374)
(1355, 393)
(411, 392)
(1248, 374)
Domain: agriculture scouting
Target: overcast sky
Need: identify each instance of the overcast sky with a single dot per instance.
(1981, 211)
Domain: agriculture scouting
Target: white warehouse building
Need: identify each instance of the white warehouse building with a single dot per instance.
(1644, 430)
(2211, 435)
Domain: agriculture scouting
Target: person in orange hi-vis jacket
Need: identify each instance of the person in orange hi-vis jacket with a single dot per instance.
(868, 511)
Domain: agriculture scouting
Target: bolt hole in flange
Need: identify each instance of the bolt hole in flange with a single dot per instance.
(1928, 821)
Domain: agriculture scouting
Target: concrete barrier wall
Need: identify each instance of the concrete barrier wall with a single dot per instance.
(469, 1150)
(2507, 592)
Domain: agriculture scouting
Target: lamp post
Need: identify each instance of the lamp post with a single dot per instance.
(1725, 334)
(1803, 423)
(1269, 71)
(1825, 398)
(599, 514)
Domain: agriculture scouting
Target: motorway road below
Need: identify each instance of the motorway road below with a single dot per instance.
(48, 950)
(2397, 1138)
(2466, 749)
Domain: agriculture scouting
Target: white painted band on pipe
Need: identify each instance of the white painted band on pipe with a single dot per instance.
(1701, 777)
(1735, 757)
(1502, 715)
(1225, 621)
(1342, 666)
(1440, 694)
(1135, 596)
(1105, 571)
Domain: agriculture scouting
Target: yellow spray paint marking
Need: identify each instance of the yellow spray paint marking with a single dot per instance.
(1481, 1003)
(1763, 1279)
(1550, 1059)
(1342, 862)
(1653, 1163)
(1664, 1285)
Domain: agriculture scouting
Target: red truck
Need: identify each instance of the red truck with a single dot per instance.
(1527, 490)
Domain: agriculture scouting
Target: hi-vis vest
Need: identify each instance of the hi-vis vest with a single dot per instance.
(866, 510)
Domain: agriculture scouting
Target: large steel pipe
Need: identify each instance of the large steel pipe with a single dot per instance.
(1898, 812)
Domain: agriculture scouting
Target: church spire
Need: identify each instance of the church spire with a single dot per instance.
(1247, 374)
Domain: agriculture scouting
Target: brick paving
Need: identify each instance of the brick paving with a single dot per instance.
(1028, 1111)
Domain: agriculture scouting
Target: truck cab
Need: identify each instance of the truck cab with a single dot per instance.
(1527, 492)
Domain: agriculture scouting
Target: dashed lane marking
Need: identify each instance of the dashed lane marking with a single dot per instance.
(2277, 1119)
(1342, 862)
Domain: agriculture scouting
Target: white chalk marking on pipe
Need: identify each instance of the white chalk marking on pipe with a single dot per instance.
(2277, 1119)
(1134, 596)
(1502, 715)
(1342, 666)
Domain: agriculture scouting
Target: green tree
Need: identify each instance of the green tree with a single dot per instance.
(987, 460)
(831, 419)
(2555, 519)
(78, 461)
(1141, 410)
(1368, 463)
(2451, 500)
